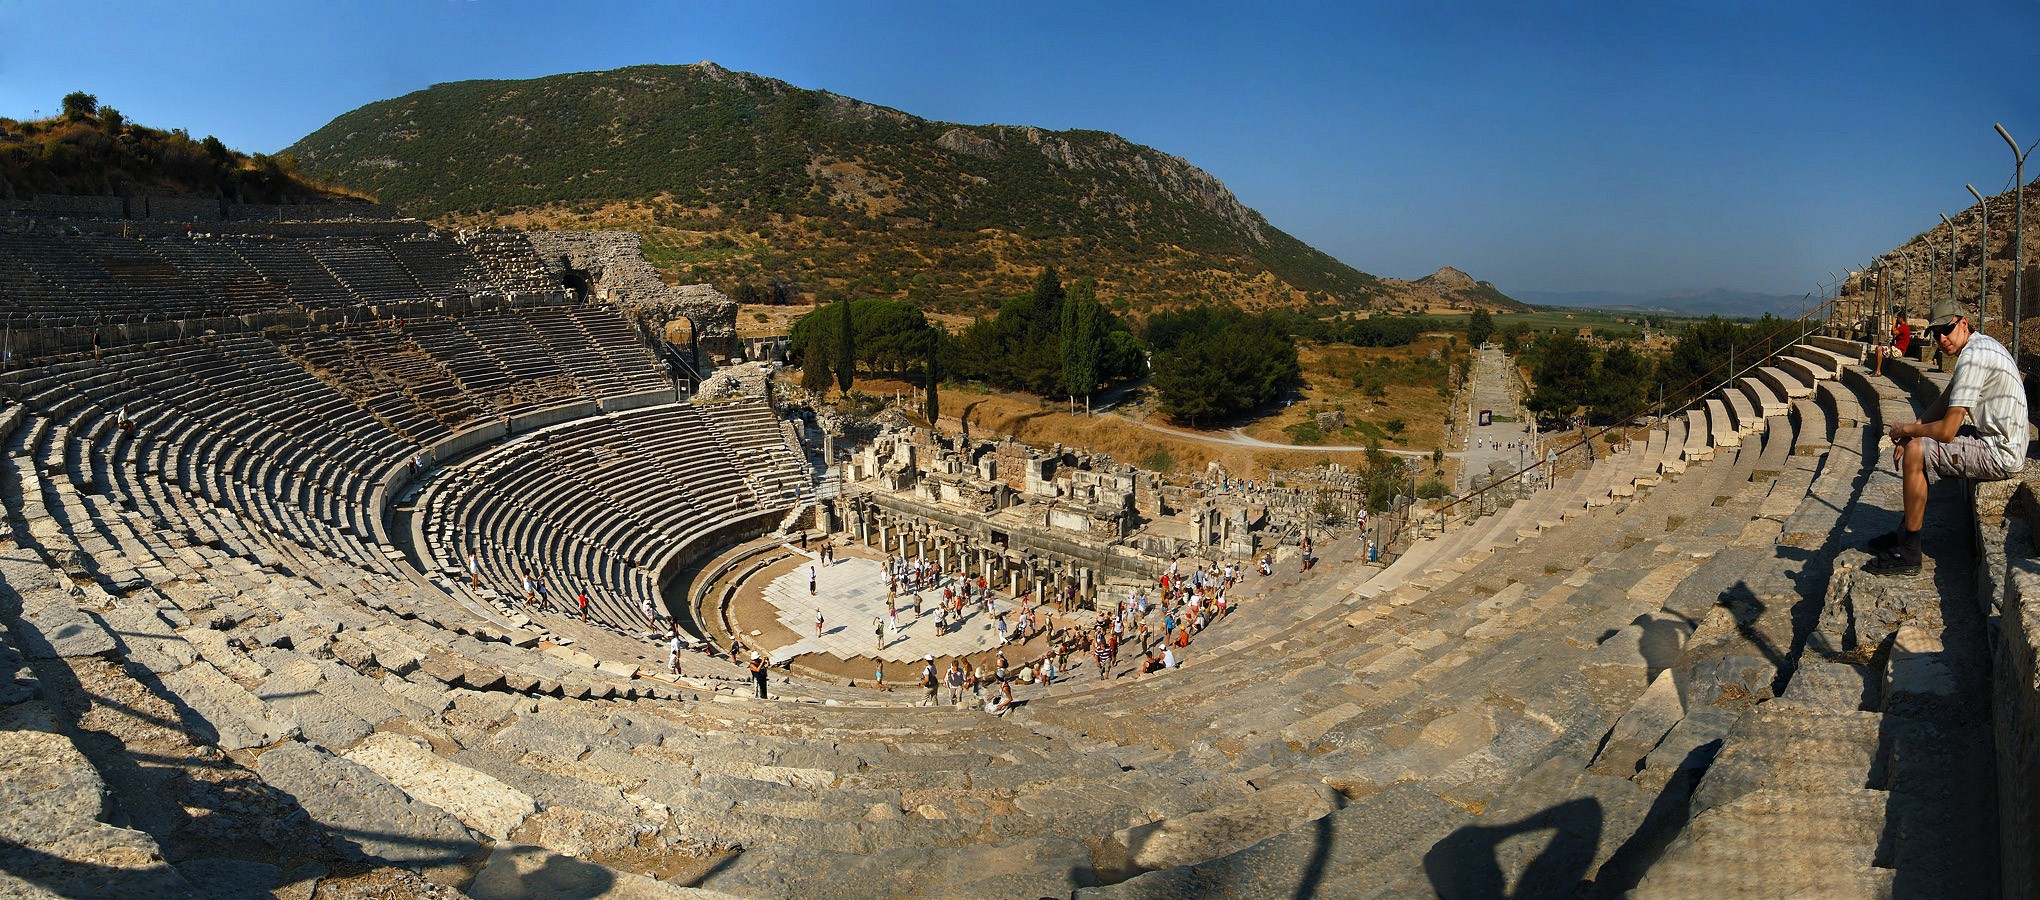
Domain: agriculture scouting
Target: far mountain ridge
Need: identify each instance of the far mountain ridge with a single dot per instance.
(776, 191)
(1712, 302)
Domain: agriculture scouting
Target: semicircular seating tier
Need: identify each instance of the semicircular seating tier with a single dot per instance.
(609, 504)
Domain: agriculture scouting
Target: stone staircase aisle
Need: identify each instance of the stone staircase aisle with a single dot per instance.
(1860, 778)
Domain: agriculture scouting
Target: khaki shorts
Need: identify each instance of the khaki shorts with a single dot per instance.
(1967, 456)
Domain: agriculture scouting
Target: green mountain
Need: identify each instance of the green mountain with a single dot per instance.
(767, 189)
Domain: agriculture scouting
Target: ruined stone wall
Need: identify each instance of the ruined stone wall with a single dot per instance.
(616, 264)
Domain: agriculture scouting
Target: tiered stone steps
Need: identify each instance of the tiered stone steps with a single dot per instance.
(1859, 778)
(1561, 670)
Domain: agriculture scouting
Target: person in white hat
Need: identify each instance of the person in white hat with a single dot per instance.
(1976, 430)
(928, 681)
(758, 672)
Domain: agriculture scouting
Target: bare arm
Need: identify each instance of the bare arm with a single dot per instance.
(1942, 428)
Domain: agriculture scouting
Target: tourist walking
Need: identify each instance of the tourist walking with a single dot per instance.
(955, 680)
(810, 581)
(818, 623)
(928, 677)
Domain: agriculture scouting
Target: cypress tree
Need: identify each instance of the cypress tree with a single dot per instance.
(814, 368)
(931, 402)
(1081, 340)
(846, 350)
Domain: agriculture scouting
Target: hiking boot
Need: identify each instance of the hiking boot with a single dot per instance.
(1896, 562)
(1886, 542)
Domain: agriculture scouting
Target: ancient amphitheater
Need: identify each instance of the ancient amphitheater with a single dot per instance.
(246, 465)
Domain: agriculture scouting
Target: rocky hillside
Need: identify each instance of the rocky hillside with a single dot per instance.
(95, 151)
(746, 181)
(1917, 271)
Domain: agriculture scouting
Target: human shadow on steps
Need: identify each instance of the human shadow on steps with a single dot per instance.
(1467, 864)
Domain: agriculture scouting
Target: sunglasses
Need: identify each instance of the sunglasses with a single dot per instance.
(1941, 331)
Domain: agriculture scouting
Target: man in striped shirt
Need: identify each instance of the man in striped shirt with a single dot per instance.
(1976, 430)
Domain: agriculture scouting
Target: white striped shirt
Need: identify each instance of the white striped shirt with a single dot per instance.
(1986, 382)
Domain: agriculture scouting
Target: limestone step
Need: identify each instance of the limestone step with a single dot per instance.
(1721, 430)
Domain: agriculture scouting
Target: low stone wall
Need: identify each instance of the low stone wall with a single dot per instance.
(309, 212)
(626, 402)
(553, 415)
(2008, 520)
(451, 448)
(692, 550)
(65, 205)
(175, 209)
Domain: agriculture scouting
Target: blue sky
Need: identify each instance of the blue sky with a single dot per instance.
(1543, 146)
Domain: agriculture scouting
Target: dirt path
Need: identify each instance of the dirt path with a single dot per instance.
(1237, 438)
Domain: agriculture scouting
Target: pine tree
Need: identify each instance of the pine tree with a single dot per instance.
(846, 350)
(80, 105)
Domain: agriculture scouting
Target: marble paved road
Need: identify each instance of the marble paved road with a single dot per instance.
(1494, 388)
(850, 593)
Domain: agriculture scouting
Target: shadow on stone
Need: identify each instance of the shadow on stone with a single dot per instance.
(1468, 863)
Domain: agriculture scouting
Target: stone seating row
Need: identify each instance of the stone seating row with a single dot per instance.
(428, 378)
(107, 277)
(598, 504)
(227, 419)
(757, 439)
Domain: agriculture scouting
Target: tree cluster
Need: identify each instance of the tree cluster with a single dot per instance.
(1373, 331)
(1050, 342)
(1700, 359)
(888, 336)
(1215, 362)
(1569, 374)
(1618, 383)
